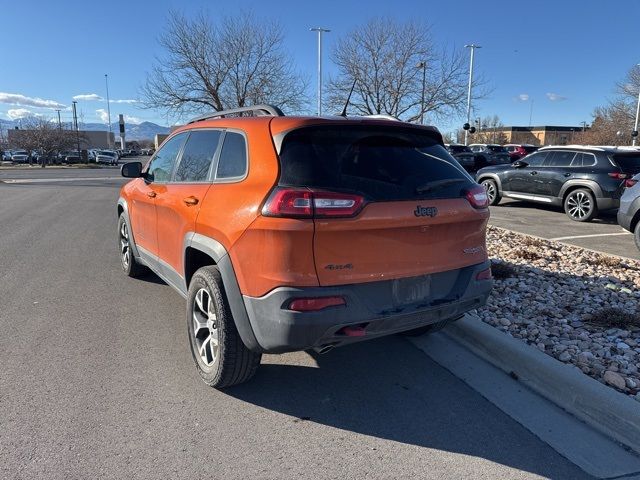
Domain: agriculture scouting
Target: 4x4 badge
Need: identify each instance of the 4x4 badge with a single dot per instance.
(421, 211)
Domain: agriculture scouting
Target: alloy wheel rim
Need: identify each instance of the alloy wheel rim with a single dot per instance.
(491, 190)
(205, 328)
(579, 205)
(125, 249)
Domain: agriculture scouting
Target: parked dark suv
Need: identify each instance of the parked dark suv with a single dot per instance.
(489, 154)
(463, 155)
(584, 180)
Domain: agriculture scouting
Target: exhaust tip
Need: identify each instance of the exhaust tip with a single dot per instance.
(323, 349)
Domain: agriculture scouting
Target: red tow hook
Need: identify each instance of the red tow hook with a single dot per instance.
(353, 331)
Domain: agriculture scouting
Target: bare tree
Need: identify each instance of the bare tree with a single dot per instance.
(42, 135)
(233, 62)
(489, 130)
(384, 61)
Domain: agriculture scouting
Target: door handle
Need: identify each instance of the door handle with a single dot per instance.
(567, 174)
(189, 201)
(533, 173)
(151, 194)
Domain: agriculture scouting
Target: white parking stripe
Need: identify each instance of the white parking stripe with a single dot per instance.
(590, 236)
(47, 180)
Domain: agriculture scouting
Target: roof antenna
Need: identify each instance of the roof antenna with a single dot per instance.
(344, 110)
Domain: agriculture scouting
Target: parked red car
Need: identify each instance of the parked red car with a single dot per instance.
(517, 151)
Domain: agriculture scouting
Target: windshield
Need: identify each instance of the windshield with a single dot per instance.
(459, 149)
(496, 149)
(381, 163)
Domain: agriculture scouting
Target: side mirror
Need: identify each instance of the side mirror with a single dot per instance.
(131, 170)
(519, 164)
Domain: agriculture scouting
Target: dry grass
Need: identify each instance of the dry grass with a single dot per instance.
(614, 318)
(502, 270)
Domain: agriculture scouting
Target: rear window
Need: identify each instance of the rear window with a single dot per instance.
(496, 149)
(629, 163)
(382, 163)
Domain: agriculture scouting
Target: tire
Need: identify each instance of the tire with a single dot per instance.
(491, 186)
(428, 329)
(580, 205)
(636, 235)
(221, 358)
(127, 261)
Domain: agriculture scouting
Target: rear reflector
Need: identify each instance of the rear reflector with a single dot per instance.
(484, 275)
(477, 197)
(314, 304)
(618, 176)
(306, 203)
(352, 331)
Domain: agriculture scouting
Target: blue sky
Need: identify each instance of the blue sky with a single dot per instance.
(564, 55)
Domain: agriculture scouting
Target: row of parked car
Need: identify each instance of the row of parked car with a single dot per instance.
(584, 180)
(92, 155)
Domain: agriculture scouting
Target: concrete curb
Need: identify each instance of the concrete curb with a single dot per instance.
(604, 409)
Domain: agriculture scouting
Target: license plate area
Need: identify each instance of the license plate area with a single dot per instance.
(406, 291)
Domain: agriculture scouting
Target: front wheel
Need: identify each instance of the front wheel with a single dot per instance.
(636, 235)
(492, 191)
(580, 205)
(128, 262)
(221, 358)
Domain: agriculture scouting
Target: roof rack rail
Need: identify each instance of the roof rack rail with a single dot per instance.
(258, 109)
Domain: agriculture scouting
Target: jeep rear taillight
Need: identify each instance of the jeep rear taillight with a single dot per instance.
(477, 197)
(306, 203)
(618, 175)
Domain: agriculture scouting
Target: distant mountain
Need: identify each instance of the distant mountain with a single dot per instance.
(141, 131)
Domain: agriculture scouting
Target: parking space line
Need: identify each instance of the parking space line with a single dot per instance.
(589, 236)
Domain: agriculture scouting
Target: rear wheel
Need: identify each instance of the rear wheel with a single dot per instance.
(636, 235)
(492, 191)
(580, 205)
(128, 262)
(221, 358)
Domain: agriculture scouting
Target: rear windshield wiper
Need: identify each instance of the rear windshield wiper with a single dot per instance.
(437, 184)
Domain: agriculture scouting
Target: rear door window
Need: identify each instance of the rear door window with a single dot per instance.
(233, 157)
(197, 156)
(560, 158)
(381, 163)
(161, 166)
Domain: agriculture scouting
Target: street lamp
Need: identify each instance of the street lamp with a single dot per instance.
(423, 65)
(106, 81)
(635, 128)
(466, 132)
(320, 32)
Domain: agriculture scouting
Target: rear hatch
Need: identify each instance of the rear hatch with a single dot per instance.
(499, 155)
(388, 202)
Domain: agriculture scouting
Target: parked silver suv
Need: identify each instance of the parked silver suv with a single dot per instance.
(629, 211)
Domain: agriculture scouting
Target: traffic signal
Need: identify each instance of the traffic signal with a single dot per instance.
(466, 126)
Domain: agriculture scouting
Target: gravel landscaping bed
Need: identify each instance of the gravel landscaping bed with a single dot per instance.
(581, 307)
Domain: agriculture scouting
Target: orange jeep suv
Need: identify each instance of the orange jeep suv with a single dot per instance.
(291, 233)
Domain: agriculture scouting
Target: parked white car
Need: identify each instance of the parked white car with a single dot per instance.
(20, 156)
(107, 156)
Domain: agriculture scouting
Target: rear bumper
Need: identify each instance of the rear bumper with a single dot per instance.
(607, 203)
(381, 308)
(624, 220)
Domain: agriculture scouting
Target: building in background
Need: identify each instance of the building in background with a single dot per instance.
(542, 135)
(88, 138)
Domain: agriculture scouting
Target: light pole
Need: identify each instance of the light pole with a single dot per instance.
(75, 126)
(473, 48)
(320, 32)
(106, 81)
(59, 122)
(635, 128)
(423, 65)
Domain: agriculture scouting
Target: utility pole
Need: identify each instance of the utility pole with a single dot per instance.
(106, 81)
(320, 32)
(423, 65)
(473, 48)
(530, 112)
(59, 121)
(75, 126)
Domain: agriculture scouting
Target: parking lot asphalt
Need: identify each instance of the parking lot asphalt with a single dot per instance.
(97, 380)
(602, 234)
